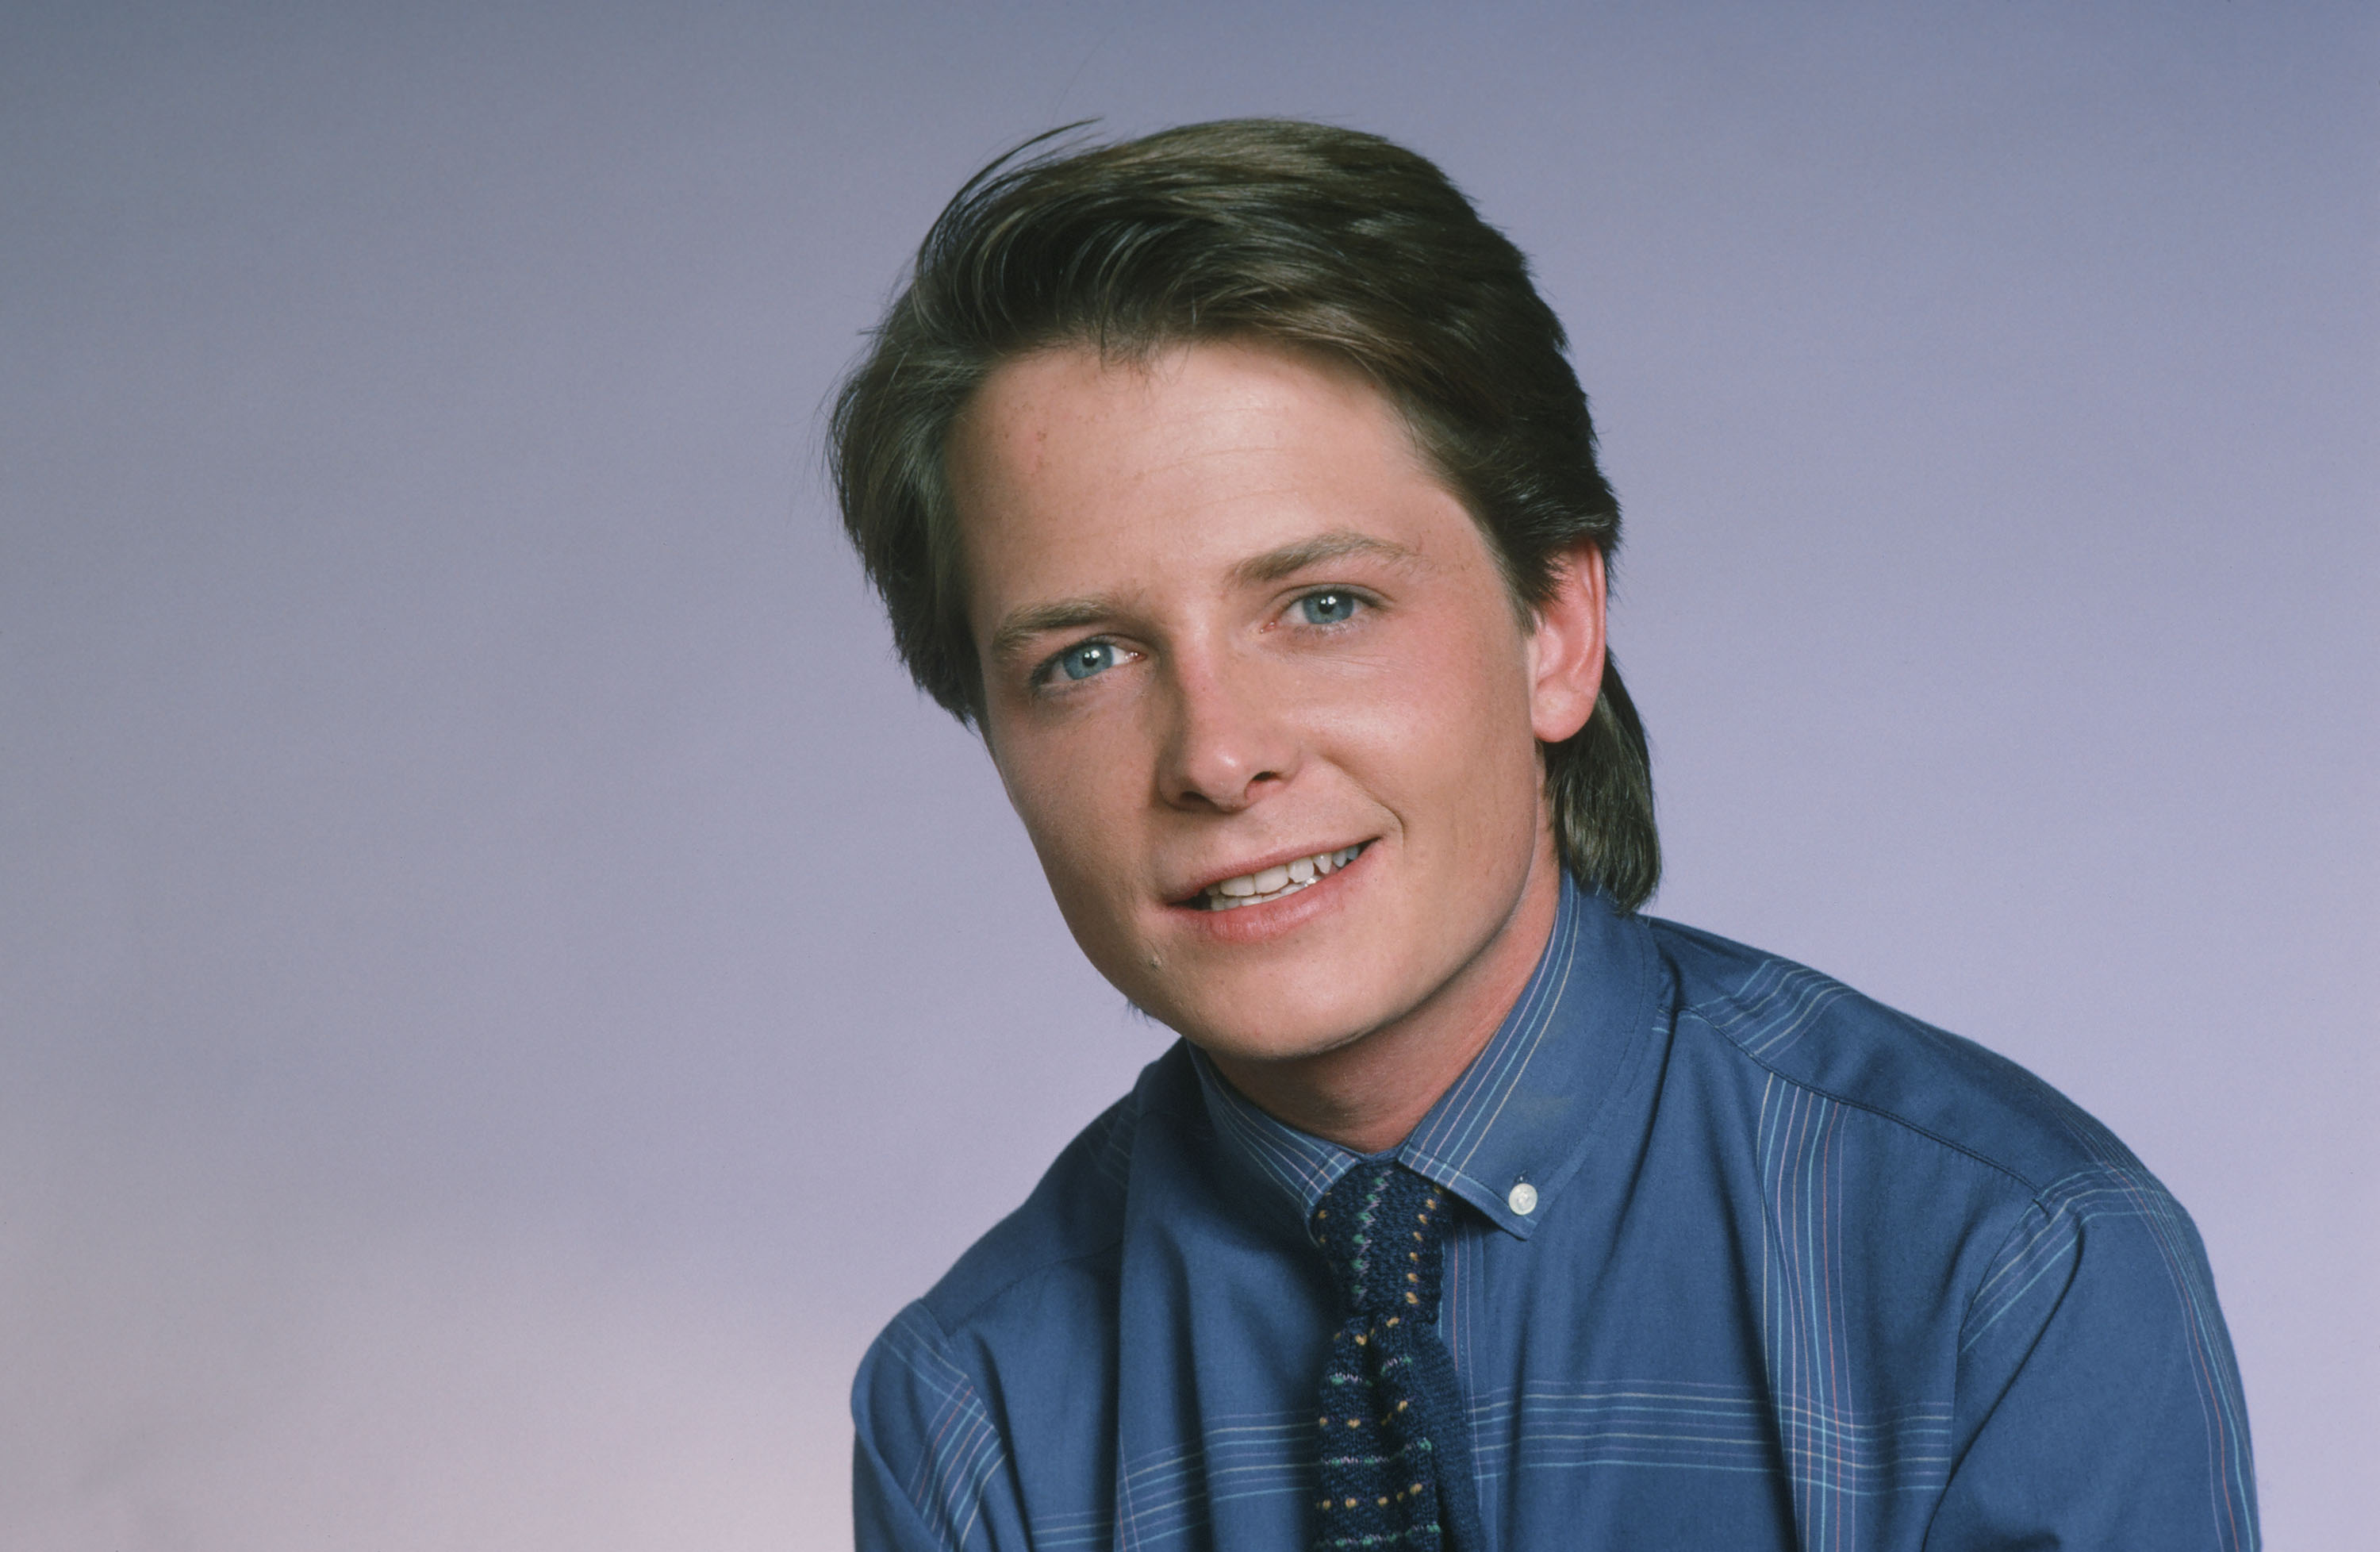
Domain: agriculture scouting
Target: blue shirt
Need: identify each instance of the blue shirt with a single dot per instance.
(1791, 1271)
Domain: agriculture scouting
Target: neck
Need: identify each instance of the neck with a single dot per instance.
(1368, 1094)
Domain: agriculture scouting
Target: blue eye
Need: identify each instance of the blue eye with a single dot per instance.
(1327, 608)
(1087, 658)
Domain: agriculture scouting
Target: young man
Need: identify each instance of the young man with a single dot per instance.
(1236, 484)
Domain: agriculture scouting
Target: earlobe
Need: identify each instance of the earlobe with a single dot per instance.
(1566, 651)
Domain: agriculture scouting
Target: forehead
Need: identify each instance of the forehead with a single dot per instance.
(1071, 472)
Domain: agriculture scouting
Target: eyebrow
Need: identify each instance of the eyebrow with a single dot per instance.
(1337, 545)
(1020, 628)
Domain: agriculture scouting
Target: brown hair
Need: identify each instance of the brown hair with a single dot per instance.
(1301, 233)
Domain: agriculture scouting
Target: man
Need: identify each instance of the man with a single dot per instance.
(1236, 484)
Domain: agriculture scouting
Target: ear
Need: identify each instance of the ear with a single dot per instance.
(1566, 648)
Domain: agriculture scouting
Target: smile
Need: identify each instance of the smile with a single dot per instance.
(1274, 883)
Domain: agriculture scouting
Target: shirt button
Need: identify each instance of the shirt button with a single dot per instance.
(1523, 1199)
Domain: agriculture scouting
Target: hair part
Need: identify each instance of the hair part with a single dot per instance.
(1301, 235)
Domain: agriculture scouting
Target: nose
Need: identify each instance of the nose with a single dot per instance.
(1228, 742)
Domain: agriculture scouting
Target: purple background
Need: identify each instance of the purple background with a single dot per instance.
(504, 988)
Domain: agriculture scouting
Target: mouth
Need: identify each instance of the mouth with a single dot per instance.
(1277, 882)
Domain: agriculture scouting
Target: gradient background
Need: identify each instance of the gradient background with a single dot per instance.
(504, 987)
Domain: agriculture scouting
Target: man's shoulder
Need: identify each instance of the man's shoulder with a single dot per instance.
(1073, 1223)
(1011, 1320)
(1785, 1021)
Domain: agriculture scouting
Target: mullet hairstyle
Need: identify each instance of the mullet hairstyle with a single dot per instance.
(1301, 235)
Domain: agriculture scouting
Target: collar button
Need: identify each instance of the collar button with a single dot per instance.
(1521, 1198)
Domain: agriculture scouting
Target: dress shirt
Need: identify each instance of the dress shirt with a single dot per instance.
(1748, 1261)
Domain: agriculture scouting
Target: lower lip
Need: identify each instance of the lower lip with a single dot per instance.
(1274, 919)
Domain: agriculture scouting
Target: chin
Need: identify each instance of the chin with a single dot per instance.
(1253, 1029)
(1271, 1045)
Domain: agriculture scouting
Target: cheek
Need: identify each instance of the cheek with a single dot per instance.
(1071, 792)
(1451, 724)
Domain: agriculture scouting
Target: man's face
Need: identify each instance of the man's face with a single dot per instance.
(1257, 688)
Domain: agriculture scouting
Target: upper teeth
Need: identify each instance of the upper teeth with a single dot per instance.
(1271, 883)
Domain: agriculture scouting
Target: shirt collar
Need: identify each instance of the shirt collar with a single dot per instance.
(1528, 1109)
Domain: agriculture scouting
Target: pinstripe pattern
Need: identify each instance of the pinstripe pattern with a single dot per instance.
(1446, 1144)
(2039, 1257)
(2130, 1191)
(1696, 1427)
(963, 1450)
(1303, 1166)
(1785, 1296)
(1828, 1445)
(1774, 1008)
(1458, 1320)
(1165, 1495)
(1094, 1529)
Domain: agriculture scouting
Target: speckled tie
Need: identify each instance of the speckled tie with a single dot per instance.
(1394, 1469)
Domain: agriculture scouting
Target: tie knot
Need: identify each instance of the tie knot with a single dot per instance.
(1382, 1229)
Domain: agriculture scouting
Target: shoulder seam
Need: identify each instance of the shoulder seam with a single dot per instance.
(1023, 1275)
(1983, 1278)
(1109, 1123)
(2045, 1200)
(936, 1514)
(1696, 1013)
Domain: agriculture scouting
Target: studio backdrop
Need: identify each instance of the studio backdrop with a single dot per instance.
(504, 987)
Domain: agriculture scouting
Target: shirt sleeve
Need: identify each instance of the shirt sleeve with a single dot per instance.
(883, 1519)
(2096, 1387)
(925, 1453)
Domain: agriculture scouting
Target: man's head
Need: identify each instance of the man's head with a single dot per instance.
(1301, 234)
(1156, 435)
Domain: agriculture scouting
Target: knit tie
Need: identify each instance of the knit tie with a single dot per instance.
(1395, 1463)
